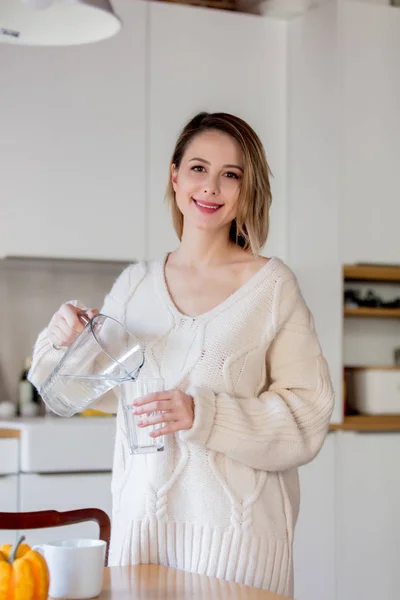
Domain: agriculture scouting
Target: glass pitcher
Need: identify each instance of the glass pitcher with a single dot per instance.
(102, 356)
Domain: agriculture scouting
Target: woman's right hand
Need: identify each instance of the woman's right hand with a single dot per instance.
(67, 323)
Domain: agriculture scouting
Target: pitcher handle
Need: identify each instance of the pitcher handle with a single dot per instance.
(84, 319)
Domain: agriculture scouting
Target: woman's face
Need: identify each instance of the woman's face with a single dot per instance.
(207, 183)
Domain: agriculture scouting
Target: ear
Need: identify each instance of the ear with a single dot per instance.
(174, 176)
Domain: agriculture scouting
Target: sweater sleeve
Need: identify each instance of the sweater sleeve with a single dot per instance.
(286, 425)
(45, 357)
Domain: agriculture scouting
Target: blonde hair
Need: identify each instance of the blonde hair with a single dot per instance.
(250, 227)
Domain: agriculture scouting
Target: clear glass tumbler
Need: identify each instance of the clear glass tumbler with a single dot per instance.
(101, 357)
(138, 438)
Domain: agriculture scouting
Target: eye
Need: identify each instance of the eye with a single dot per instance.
(198, 169)
(231, 175)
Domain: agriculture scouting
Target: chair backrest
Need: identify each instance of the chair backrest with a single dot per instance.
(53, 518)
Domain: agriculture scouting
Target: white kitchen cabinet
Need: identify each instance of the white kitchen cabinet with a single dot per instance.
(203, 59)
(368, 517)
(62, 464)
(8, 482)
(8, 503)
(314, 541)
(73, 147)
(64, 491)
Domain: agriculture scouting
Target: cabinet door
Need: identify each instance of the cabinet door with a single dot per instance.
(65, 492)
(8, 503)
(72, 146)
(314, 541)
(202, 59)
(368, 501)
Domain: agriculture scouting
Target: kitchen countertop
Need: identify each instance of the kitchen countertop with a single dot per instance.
(21, 423)
(9, 433)
(10, 428)
(368, 423)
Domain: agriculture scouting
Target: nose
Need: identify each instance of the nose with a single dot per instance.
(212, 187)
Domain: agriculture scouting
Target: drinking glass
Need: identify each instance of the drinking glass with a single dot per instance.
(138, 438)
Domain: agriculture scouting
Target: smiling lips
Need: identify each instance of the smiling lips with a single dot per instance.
(206, 207)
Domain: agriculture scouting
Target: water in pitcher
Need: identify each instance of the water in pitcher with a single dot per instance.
(74, 393)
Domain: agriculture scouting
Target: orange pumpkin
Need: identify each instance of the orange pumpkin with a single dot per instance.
(23, 573)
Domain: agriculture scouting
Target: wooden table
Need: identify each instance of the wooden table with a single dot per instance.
(153, 582)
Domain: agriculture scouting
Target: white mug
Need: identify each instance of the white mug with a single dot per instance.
(75, 566)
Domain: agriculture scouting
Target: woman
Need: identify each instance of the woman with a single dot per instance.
(249, 395)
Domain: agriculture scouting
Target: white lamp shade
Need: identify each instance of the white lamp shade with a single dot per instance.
(56, 22)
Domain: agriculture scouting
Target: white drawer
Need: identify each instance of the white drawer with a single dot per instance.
(8, 456)
(76, 444)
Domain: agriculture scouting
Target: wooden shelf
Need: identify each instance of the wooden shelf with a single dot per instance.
(371, 273)
(368, 423)
(365, 311)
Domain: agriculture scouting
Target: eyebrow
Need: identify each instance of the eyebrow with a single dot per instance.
(208, 163)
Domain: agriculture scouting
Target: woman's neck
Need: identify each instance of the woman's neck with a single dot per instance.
(205, 248)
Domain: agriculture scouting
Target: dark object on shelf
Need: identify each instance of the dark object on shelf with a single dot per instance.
(396, 356)
(392, 303)
(371, 300)
(353, 299)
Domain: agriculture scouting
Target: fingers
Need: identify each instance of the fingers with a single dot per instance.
(57, 336)
(146, 421)
(170, 426)
(166, 429)
(66, 324)
(71, 314)
(150, 407)
(156, 397)
(172, 408)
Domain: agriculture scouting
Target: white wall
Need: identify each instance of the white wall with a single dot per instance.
(370, 86)
(313, 184)
(226, 62)
(370, 42)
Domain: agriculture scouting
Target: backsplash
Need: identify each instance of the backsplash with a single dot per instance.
(31, 290)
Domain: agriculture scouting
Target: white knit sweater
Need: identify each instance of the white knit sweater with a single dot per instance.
(223, 497)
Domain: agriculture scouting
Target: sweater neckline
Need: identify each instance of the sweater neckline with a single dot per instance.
(241, 291)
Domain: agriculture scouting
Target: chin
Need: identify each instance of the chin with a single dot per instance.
(209, 227)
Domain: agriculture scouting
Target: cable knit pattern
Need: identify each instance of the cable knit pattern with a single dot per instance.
(223, 497)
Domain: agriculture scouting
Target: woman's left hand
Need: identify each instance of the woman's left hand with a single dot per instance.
(175, 409)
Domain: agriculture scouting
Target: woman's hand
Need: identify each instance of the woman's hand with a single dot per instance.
(67, 323)
(176, 411)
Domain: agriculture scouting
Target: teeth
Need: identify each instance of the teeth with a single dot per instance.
(207, 205)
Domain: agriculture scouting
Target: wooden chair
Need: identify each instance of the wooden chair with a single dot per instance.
(53, 518)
